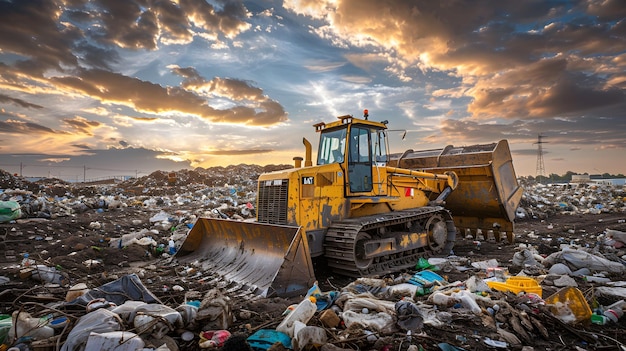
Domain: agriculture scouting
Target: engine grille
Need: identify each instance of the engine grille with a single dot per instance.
(272, 201)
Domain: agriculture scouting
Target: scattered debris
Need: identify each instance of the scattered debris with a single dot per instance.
(90, 268)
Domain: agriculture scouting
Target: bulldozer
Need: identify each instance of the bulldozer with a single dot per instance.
(358, 209)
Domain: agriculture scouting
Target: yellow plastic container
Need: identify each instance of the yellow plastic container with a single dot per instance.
(517, 285)
(575, 301)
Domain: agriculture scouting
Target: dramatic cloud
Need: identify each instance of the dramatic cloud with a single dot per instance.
(516, 59)
(7, 99)
(82, 125)
(582, 131)
(21, 127)
(196, 80)
(73, 48)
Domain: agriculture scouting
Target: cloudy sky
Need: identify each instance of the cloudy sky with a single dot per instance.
(90, 88)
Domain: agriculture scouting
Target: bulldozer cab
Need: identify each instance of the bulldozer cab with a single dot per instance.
(365, 149)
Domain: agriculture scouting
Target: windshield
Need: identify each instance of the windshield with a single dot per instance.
(332, 147)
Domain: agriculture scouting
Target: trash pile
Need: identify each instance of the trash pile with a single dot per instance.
(545, 200)
(420, 311)
(229, 189)
(93, 268)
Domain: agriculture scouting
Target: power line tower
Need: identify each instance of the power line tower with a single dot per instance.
(541, 169)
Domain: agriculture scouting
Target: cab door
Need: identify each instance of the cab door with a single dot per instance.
(359, 160)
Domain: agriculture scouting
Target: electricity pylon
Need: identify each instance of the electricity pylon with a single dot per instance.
(541, 170)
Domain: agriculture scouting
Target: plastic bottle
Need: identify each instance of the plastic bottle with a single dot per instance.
(25, 325)
(302, 313)
(172, 247)
(441, 299)
(27, 262)
(468, 301)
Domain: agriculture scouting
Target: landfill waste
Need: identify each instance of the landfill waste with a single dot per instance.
(577, 259)
(517, 285)
(9, 210)
(569, 305)
(542, 201)
(133, 296)
(302, 313)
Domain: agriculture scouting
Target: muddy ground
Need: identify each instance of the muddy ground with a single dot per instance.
(67, 242)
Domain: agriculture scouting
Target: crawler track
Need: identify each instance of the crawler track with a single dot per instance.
(345, 240)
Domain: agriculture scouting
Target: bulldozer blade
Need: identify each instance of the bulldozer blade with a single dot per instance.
(269, 260)
(488, 194)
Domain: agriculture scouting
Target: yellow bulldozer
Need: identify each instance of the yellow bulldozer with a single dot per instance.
(365, 211)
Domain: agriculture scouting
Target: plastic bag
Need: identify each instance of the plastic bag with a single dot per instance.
(382, 322)
(9, 210)
(409, 316)
(98, 321)
(576, 259)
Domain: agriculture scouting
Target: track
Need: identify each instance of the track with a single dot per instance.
(347, 241)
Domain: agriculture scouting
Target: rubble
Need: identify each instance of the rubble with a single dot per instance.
(88, 267)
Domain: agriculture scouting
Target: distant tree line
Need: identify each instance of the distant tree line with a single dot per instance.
(567, 177)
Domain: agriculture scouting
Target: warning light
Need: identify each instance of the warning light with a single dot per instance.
(365, 113)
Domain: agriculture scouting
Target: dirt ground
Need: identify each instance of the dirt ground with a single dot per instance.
(69, 242)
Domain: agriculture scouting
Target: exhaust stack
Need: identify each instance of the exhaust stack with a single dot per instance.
(308, 152)
(298, 162)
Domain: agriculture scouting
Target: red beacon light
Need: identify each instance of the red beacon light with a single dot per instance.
(366, 114)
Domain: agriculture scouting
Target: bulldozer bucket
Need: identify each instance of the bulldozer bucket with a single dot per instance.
(485, 201)
(268, 260)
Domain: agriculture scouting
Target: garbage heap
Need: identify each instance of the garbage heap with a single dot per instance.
(92, 269)
(573, 297)
(541, 201)
(227, 189)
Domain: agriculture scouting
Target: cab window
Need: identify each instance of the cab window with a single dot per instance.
(332, 147)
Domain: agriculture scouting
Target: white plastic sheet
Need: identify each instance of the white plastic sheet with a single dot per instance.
(577, 259)
(98, 321)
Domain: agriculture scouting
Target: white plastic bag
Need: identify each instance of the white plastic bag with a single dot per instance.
(381, 321)
(98, 321)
